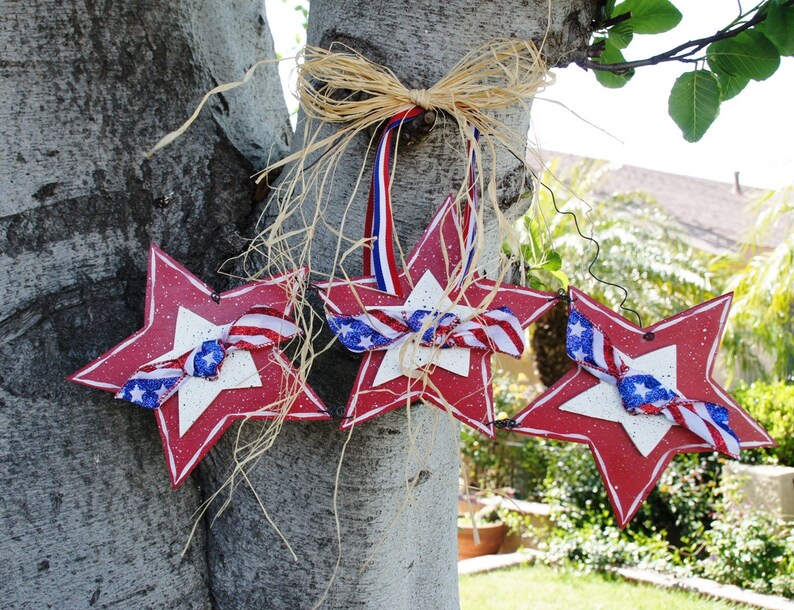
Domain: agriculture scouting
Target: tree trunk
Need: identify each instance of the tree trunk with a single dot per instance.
(88, 514)
(548, 346)
(398, 547)
(89, 518)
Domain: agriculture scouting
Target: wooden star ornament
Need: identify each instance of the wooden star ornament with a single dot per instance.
(205, 359)
(435, 343)
(639, 396)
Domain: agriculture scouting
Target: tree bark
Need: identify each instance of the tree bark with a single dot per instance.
(88, 515)
(398, 547)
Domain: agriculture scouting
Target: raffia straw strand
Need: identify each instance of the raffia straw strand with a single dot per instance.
(170, 137)
(338, 525)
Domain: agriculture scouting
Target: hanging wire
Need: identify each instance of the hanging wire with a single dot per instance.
(595, 257)
(336, 412)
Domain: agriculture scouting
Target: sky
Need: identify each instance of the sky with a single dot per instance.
(754, 133)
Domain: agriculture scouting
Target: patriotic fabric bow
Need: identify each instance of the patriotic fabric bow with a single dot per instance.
(153, 384)
(496, 330)
(641, 392)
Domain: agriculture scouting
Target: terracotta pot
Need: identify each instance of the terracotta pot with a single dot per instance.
(491, 536)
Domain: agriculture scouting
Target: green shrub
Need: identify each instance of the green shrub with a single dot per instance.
(683, 502)
(677, 529)
(573, 483)
(598, 547)
(772, 404)
(750, 550)
(679, 508)
(508, 462)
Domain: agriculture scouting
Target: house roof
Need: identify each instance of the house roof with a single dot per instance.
(715, 216)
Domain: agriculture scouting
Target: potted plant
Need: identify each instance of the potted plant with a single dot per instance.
(490, 529)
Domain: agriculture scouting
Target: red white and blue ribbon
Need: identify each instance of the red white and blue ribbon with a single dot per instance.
(495, 330)
(470, 215)
(153, 384)
(641, 392)
(379, 259)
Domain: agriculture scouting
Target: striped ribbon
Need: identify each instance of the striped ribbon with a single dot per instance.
(379, 258)
(472, 200)
(641, 392)
(260, 327)
(495, 330)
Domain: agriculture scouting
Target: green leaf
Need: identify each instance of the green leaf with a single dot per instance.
(620, 35)
(612, 55)
(535, 283)
(779, 27)
(749, 54)
(562, 277)
(531, 251)
(694, 103)
(553, 261)
(731, 86)
(649, 16)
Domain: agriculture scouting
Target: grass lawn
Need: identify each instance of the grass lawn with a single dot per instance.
(538, 587)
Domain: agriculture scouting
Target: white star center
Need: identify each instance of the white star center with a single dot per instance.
(410, 356)
(196, 394)
(604, 402)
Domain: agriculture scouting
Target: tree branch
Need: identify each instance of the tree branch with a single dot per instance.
(682, 52)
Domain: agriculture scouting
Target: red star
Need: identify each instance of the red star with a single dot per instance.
(182, 310)
(456, 379)
(632, 451)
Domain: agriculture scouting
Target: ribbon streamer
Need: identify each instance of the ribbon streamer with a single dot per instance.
(641, 393)
(472, 201)
(379, 259)
(496, 330)
(153, 384)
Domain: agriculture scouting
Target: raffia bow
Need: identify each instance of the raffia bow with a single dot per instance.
(491, 77)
